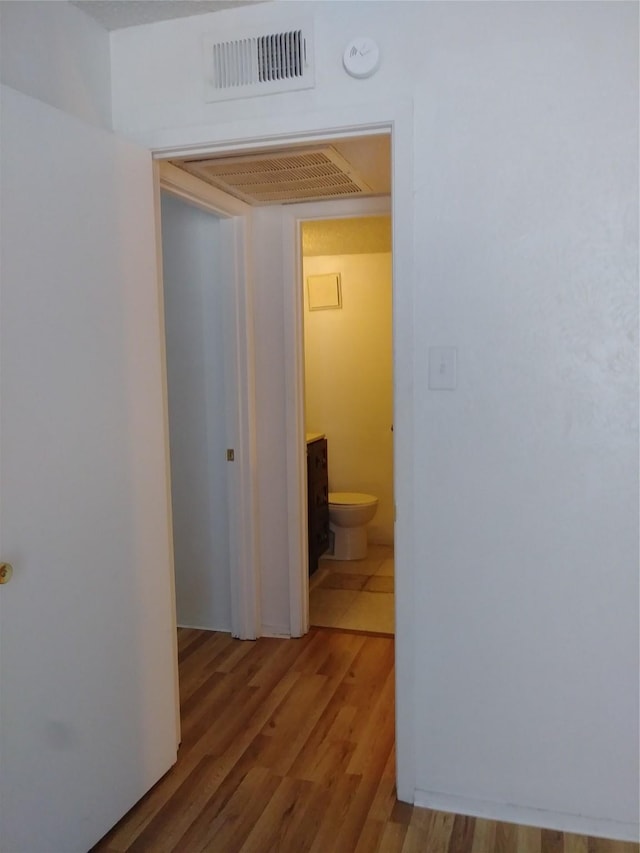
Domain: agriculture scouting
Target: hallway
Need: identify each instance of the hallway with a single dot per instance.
(288, 746)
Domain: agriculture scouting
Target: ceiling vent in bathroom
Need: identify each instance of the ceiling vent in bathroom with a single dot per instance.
(306, 174)
(262, 61)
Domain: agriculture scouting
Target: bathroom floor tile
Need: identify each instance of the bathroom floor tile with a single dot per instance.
(317, 578)
(382, 552)
(368, 566)
(328, 606)
(355, 594)
(371, 611)
(340, 580)
(386, 569)
(347, 567)
(379, 583)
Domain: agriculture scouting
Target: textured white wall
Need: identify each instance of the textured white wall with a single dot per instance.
(524, 617)
(54, 52)
(527, 562)
(194, 318)
(349, 381)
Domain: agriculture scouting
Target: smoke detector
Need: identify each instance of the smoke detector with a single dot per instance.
(307, 174)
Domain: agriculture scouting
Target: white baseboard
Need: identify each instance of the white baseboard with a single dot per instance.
(281, 632)
(204, 628)
(579, 824)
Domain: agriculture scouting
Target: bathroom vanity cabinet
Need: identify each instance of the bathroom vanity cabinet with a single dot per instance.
(317, 499)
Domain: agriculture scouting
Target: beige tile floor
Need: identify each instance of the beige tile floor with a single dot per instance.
(354, 594)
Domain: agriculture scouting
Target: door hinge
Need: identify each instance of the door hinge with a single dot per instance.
(230, 454)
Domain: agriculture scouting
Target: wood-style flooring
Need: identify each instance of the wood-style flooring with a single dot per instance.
(288, 745)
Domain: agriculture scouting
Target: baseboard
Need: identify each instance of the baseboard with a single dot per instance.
(204, 628)
(579, 824)
(279, 631)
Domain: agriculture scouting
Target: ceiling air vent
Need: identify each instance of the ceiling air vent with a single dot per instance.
(280, 178)
(258, 63)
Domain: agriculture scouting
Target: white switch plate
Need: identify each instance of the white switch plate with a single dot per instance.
(443, 363)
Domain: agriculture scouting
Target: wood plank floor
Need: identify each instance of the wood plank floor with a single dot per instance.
(288, 745)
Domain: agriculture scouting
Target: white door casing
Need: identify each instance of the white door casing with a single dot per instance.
(292, 218)
(87, 637)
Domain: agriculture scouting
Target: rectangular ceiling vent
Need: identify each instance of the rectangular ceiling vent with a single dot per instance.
(258, 62)
(280, 178)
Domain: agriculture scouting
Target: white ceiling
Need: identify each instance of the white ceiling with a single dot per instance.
(118, 14)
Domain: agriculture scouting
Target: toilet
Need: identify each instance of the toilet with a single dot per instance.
(349, 514)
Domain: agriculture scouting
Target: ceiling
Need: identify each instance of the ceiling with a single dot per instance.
(368, 157)
(343, 168)
(118, 14)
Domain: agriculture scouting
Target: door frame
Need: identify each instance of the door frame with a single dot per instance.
(293, 217)
(235, 217)
(317, 126)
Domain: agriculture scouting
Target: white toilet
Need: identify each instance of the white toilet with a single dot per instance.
(349, 514)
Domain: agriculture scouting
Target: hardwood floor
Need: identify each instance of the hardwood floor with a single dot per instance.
(288, 745)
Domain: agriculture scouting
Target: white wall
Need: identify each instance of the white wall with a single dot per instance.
(526, 247)
(194, 321)
(349, 381)
(54, 52)
(525, 500)
(520, 658)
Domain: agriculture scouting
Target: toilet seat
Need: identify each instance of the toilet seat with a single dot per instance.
(351, 499)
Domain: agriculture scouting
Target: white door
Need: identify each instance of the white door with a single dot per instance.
(87, 676)
(195, 309)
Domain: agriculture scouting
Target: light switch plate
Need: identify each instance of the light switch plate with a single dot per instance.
(443, 368)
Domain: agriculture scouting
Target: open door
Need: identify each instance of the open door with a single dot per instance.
(87, 675)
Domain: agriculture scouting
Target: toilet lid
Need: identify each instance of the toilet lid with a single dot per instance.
(351, 499)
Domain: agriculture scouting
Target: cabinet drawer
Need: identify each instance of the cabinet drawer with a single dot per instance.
(317, 501)
(319, 496)
(316, 457)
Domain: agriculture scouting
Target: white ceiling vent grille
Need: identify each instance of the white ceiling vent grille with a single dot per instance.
(308, 174)
(258, 63)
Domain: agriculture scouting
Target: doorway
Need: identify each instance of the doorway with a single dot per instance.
(277, 263)
(348, 358)
(395, 120)
(266, 184)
